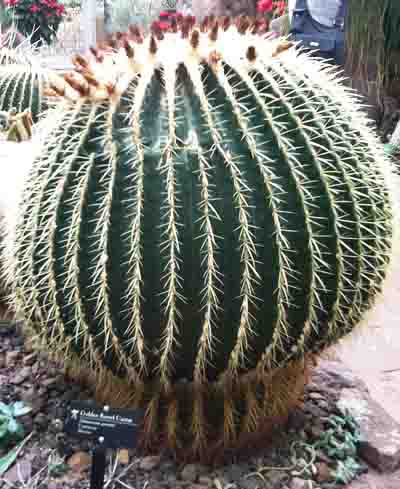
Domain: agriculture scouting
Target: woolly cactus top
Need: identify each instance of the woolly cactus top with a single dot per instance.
(237, 42)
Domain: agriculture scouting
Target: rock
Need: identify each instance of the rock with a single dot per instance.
(333, 374)
(297, 419)
(298, 483)
(41, 420)
(79, 461)
(324, 405)
(11, 358)
(314, 410)
(322, 457)
(316, 431)
(190, 473)
(18, 341)
(49, 382)
(29, 360)
(324, 473)
(234, 472)
(380, 445)
(20, 472)
(276, 478)
(170, 479)
(2, 360)
(123, 457)
(24, 374)
(149, 463)
(206, 480)
(37, 405)
(315, 396)
(312, 386)
(28, 395)
(252, 483)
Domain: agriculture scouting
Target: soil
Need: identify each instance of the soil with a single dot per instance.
(53, 460)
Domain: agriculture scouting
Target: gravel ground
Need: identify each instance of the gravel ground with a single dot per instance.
(305, 455)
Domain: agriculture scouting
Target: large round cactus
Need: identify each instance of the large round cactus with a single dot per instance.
(209, 211)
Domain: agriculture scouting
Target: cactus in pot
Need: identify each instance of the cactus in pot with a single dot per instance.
(209, 211)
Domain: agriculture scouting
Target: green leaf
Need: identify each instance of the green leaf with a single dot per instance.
(12, 425)
(7, 461)
(3, 430)
(20, 409)
(7, 410)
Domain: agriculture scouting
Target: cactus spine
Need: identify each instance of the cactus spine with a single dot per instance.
(209, 210)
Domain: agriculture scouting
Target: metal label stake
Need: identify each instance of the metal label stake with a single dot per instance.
(98, 466)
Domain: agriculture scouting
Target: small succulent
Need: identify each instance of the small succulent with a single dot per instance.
(10, 428)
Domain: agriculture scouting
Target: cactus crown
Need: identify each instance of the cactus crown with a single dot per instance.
(128, 55)
(209, 207)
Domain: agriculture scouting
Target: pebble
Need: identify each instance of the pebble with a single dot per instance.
(79, 461)
(316, 396)
(123, 457)
(234, 472)
(276, 478)
(314, 410)
(322, 457)
(28, 395)
(19, 472)
(316, 432)
(29, 360)
(324, 473)
(298, 483)
(11, 358)
(49, 382)
(190, 473)
(149, 463)
(41, 420)
(22, 375)
(206, 481)
(252, 483)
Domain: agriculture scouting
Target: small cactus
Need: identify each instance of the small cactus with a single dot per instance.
(18, 127)
(209, 211)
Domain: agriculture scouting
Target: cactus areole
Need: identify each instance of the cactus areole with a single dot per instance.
(209, 210)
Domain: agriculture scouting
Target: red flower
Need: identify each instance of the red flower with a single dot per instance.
(164, 26)
(34, 8)
(160, 25)
(11, 3)
(264, 6)
(164, 15)
(280, 7)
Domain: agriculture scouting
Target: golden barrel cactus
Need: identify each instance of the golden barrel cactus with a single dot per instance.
(209, 211)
